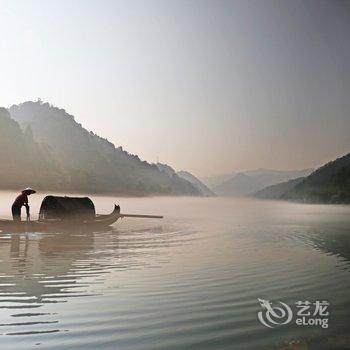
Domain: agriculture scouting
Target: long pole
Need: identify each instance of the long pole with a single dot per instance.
(141, 216)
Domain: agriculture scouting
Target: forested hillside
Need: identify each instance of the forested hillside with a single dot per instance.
(328, 184)
(23, 161)
(278, 190)
(53, 151)
(199, 185)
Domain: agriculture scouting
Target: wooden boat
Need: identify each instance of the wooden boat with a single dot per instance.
(42, 225)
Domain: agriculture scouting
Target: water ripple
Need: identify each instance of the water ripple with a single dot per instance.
(190, 283)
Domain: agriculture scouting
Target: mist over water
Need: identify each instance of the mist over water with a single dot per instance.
(191, 280)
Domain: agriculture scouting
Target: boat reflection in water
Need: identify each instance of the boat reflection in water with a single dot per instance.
(37, 257)
(40, 271)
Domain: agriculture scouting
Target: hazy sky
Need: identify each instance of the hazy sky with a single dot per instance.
(207, 86)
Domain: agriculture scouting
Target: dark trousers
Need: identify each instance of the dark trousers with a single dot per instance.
(16, 213)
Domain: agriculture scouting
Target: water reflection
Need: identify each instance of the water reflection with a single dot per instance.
(335, 243)
(192, 282)
(38, 269)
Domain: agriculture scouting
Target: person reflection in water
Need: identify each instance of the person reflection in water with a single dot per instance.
(22, 201)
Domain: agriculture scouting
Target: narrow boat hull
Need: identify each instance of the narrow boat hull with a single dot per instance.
(100, 221)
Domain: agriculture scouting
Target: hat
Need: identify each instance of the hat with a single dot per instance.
(28, 190)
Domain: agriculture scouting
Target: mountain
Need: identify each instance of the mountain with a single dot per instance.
(239, 185)
(268, 177)
(328, 184)
(249, 182)
(165, 168)
(216, 180)
(200, 186)
(276, 191)
(21, 157)
(86, 162)
(205, 191)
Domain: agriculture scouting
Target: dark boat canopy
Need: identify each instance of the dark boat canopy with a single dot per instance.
(63, 208)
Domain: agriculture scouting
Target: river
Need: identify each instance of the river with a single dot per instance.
(189, 281)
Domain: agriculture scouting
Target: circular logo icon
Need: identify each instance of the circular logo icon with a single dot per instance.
(272, 316)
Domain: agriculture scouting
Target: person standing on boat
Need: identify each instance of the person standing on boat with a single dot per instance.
(21, 201)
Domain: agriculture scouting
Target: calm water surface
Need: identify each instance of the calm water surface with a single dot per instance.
(190, 281)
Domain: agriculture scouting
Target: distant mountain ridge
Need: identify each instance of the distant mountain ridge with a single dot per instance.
(199, 185)
(215, 180)
(248, 182)
(44, 147)
(239, 185)
(205, 190)
(79, 160)
(278, 190)
(327, 184)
